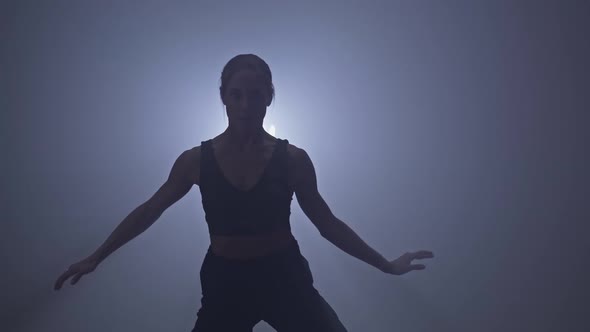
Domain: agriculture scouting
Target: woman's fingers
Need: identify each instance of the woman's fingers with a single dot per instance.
(76, 278)
(77, 270)
(63, 278)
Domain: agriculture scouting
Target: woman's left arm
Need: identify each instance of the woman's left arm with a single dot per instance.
(338, 232)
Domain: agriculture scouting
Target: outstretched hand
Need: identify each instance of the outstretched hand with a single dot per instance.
(403, 264)
(77, 270)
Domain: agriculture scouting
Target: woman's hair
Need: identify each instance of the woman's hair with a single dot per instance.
(246, 61)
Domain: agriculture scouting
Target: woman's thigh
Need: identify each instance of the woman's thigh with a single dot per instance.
(294, 304)
(214, 316)
(303, 311)
(227, 303)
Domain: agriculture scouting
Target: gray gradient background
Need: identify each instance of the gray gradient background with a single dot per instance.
(457, 127)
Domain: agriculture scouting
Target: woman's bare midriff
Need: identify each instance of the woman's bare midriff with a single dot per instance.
(250, 246)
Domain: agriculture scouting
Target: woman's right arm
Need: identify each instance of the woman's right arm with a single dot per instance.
(182, 177)
(178, 184)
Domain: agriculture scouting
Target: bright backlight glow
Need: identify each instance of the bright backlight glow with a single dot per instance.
(272, 130)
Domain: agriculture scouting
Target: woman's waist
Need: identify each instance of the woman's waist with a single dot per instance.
(251, 246)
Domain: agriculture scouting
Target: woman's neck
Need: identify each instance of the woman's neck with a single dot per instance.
(244, 140)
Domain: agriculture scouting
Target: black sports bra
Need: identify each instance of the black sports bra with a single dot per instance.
(231, 211)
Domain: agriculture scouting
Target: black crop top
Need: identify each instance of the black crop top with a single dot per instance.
(232, 211)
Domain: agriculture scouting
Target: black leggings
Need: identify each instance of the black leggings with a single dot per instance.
(278, 288)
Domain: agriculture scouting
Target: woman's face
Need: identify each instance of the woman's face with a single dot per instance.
(246, 98)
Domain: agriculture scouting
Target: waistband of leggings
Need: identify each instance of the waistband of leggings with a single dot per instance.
(292, 250)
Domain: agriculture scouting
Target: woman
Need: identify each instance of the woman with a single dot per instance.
(253, 269)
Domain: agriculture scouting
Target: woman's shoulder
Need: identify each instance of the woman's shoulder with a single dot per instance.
(292, 149)
(193, 154)
(191, 158)
(295, 154)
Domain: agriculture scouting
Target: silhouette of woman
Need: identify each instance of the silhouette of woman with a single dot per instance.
(253, 269)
